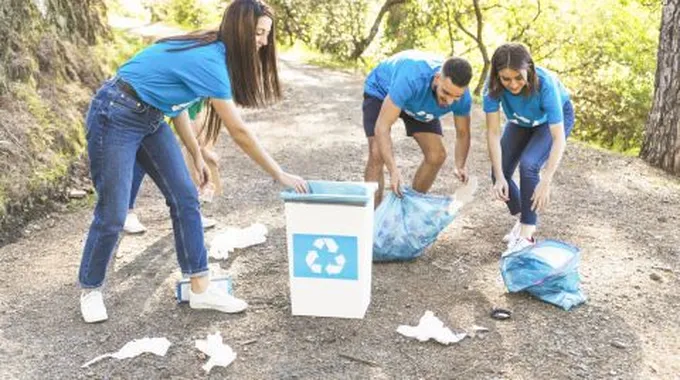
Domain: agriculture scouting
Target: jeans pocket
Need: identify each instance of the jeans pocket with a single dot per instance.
(125, 102)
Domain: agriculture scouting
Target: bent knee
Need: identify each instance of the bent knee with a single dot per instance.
(436, 157)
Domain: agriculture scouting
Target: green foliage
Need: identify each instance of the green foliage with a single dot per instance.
(118, 49)
(187, 14)
(609, 66)
(604, 52)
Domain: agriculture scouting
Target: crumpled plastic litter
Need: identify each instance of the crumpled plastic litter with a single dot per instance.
(230, 238)
(547, 270)
(463, 195)
(157, 346)
(477, 331)
(220, 354)
(431, 327)
(404, 227)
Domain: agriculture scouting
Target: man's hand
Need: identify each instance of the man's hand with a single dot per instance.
(462, 174)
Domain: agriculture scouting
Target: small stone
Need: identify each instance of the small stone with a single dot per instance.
(618, 344)
(662, 219)
(612, 372)
(656, 277)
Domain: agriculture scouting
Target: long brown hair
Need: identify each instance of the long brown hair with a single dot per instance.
(514, 56)
(253, 73)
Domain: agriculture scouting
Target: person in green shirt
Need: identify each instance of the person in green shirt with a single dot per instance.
(197, 115)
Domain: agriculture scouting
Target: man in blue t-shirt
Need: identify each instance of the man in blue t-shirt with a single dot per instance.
(419, 88)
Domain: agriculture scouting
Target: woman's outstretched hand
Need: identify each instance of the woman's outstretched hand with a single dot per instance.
(293, 181)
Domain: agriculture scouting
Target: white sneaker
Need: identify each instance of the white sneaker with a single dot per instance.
(92, 306)
(216, 298)
(513, 234)
(208, 222)
(520, 243)
(133, 225)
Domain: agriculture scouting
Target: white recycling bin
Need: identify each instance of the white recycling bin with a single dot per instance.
(330, 247)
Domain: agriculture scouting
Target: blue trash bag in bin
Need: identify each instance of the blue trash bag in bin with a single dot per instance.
(405, 226)
(348, 193)
(547, 270)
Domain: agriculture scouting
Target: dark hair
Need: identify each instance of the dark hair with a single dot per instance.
(458, 70)
(514, 56)
(253, 73)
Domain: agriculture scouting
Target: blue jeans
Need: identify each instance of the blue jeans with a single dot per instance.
(529, 148)
(121, 131)
(137, 177)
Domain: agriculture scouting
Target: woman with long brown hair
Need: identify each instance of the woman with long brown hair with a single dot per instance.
(539, 117)
(235, 64)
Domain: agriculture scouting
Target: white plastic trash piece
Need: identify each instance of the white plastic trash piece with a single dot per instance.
(157, 346)
(225, 241)
(464, 195)
(431, 327)
(220, 354)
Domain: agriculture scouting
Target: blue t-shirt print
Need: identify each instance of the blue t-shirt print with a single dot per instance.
(174, 80)
(543, 106)
(407, 78)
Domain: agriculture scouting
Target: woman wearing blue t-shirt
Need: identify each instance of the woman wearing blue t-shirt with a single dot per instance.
(540, 116)
(125, 124)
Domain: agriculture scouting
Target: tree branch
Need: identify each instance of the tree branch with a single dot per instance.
(361, 45)
(526, 26)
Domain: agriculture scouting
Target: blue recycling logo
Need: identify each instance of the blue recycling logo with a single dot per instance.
(325, 256)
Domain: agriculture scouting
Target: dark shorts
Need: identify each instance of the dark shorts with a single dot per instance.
(371, 110)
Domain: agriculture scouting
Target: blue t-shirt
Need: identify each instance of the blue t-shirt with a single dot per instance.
(407, 78)
(542, 106)
(173, 80)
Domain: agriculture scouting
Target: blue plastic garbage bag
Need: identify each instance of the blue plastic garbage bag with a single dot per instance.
(547, 270)
(347, 193)
(405, 226)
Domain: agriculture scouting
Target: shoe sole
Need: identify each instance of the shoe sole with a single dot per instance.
(98, 320)
(212, 307)
(134, 232)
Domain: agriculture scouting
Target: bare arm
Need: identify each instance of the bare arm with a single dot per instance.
(541, 195)
(556, 151)
(389, 113)
(184, 129)
(248, 142)
(462, 124)
(493, 141)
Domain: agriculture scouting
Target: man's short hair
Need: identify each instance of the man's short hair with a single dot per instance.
(458, 70)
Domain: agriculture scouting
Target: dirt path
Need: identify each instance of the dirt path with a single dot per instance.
(623, 215)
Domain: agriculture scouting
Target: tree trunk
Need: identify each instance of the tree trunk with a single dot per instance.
(479, 40)
(361, 45)
(661, 146)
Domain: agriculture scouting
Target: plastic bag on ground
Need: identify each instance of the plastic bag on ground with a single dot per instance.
(430, 327)
(156, 346)
(548, 270)
(225, 241)
(405, 226)
(220, 354)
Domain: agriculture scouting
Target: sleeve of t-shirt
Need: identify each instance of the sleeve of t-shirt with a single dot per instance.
(489, 104)
(401, 90)
(208, 78)
(462, 106)
(550, 101)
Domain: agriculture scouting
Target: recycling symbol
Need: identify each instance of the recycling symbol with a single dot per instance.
(333, 266)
